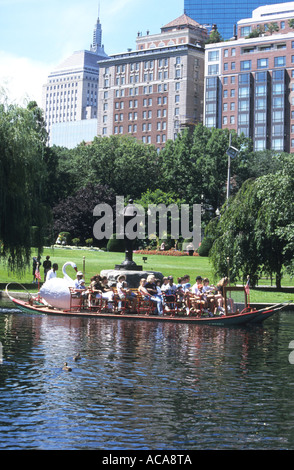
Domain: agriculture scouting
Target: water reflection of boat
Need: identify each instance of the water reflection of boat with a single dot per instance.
(237, 312)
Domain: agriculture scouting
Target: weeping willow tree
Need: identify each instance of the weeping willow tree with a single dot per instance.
(255, 233)
(22, 177)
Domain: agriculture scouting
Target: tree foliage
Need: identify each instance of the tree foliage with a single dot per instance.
(22, 177)
(75, 213)
(127, 166)
(195, 165)
(255, 230)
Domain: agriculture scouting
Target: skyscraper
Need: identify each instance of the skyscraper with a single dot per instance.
(70, 96)
(224, 14)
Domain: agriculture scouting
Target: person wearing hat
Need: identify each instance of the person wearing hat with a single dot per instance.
(78, 280)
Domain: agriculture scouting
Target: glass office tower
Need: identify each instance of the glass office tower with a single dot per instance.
(223, 13)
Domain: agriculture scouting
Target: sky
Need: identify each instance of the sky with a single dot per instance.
(36, 35)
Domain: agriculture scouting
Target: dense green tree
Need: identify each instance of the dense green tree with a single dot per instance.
(75, 213)
(195, 165)
(167, 200)
(274, 226)
(22, 177)
(255, 230)
(214, 35)
(127, 166)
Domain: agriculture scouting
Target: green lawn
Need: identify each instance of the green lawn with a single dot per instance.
(95, 261)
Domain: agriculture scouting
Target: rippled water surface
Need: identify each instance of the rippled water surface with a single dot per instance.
(145, 385)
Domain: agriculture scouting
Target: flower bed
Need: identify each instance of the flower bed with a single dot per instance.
(164, 253)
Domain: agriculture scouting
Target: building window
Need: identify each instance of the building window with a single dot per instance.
(213, 69)
(280, 61)
(213, 56)
(243, 105)
(260, 103)
(245, 65)
(278, 102)
(259, 145)
(278, 116)
(244, 92)
(260, 90)
(277, 144)
(262, 63)
(278, 88)
(278, 74)
(278, 130)
(210, 121)
(260, 118)
(245, 30)
(243, 119)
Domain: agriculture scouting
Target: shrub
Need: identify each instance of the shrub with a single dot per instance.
(205, 246)
(115, 245)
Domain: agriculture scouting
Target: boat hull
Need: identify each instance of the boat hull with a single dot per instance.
(255, 316)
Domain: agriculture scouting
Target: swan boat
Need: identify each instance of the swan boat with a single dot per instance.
(236, 311)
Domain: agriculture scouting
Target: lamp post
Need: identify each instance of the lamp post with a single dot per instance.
(232, 152)
(128, 264)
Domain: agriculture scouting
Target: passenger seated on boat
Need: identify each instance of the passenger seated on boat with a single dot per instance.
(208, 294)
(197, 301)
(95, 290)
(180, 290)
(169, 290)
(151, 288)
(220, 295)
(106, 292)
(186, 283)
(142, 290)
(78, 280)
(125, 293)
(79, 286)
(158, 286)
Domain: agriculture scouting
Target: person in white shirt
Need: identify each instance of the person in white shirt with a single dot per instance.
(51, 274)
(78, 280)
(197, 287)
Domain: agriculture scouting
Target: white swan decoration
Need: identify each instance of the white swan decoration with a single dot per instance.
(56, 291)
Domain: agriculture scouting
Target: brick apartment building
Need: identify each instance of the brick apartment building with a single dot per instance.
(249, 81)
(152, 92)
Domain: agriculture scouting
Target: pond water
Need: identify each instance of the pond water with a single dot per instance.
(144, 385)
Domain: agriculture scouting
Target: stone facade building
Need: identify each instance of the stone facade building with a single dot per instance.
(154, 91)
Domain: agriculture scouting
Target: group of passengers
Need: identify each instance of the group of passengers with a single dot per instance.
(198, 298)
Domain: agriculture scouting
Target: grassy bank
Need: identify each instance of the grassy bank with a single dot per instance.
(95, 261)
